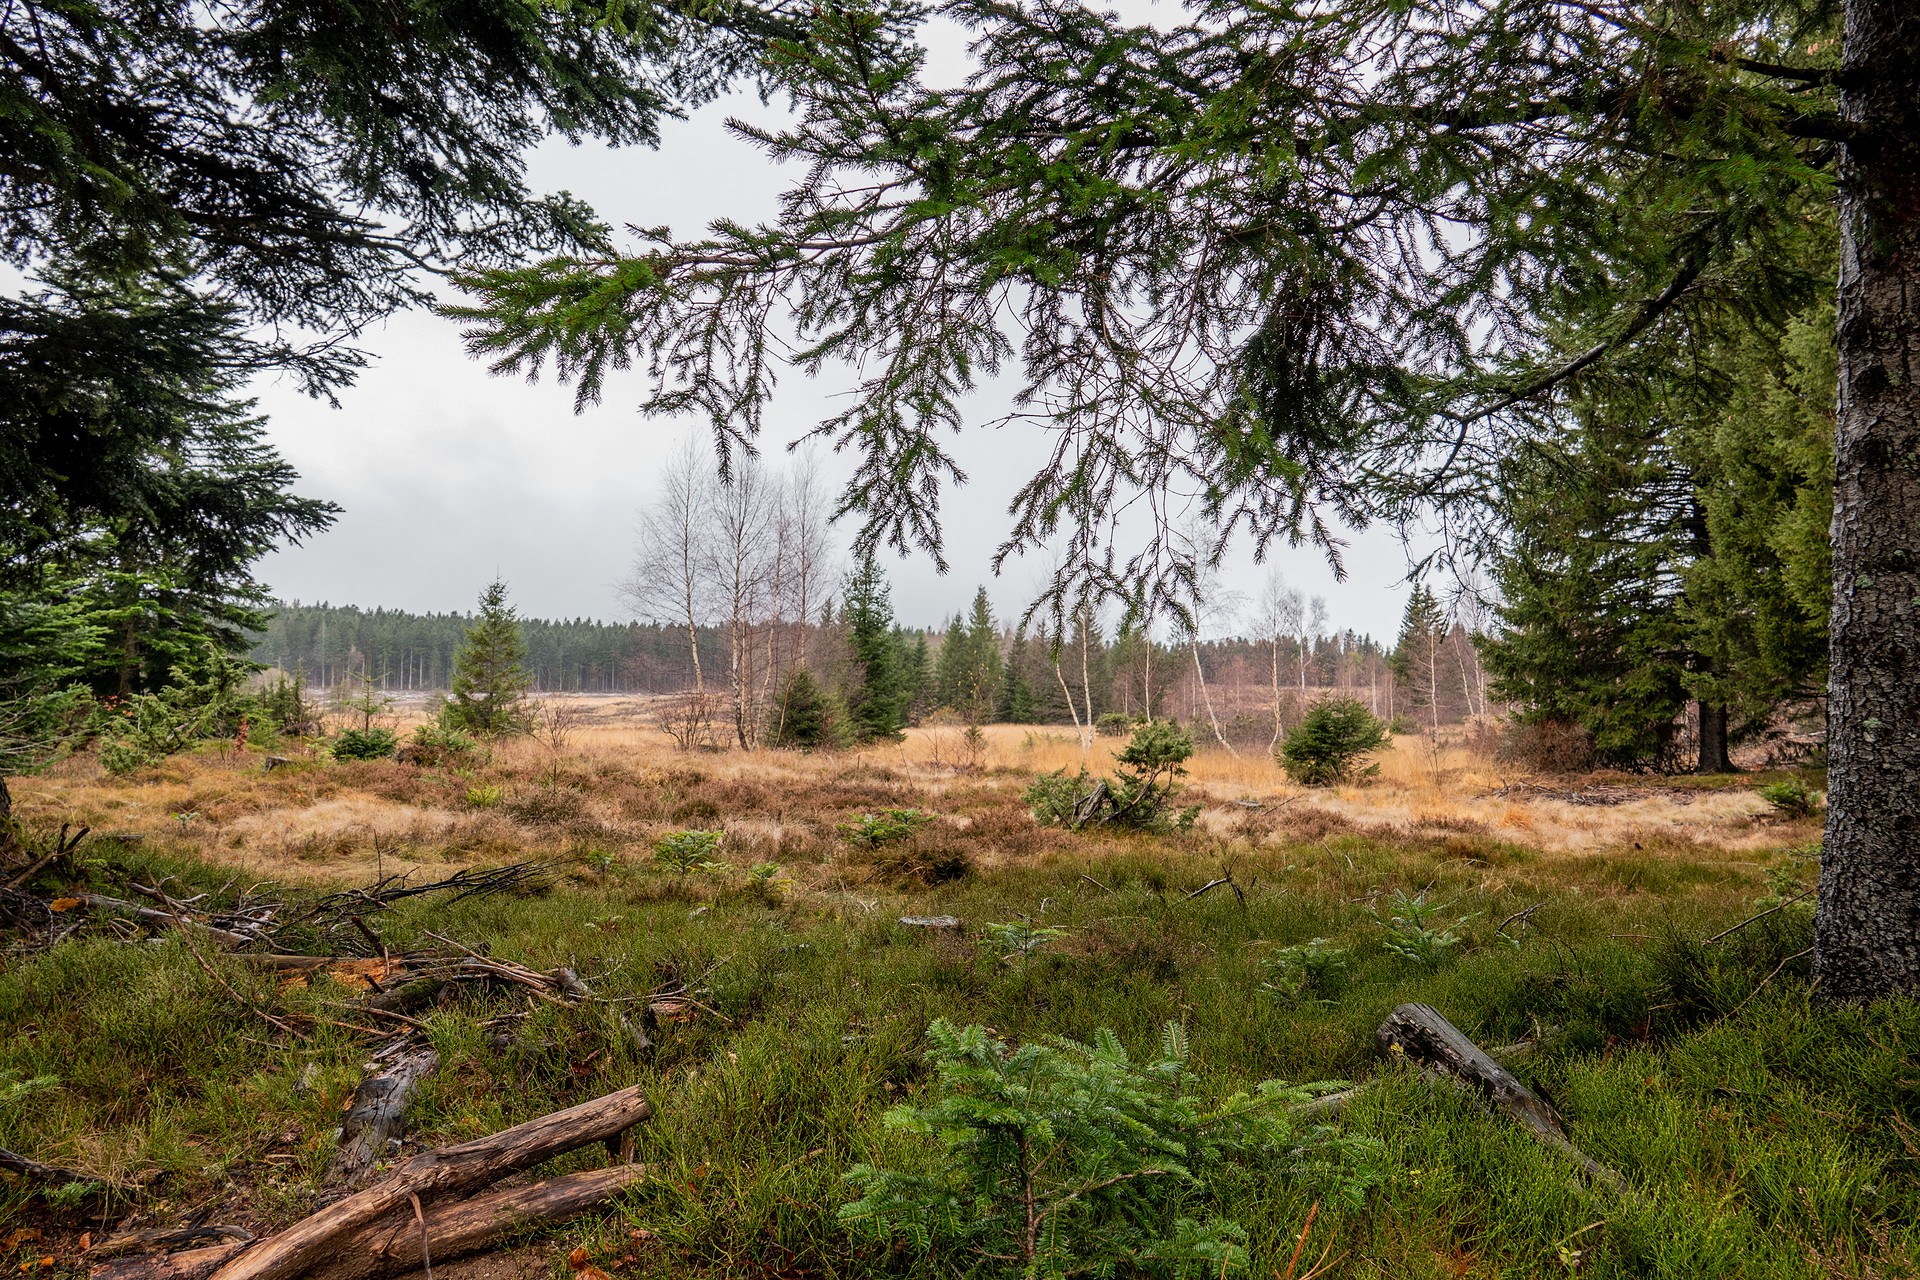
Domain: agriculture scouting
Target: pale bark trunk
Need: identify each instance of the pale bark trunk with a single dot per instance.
(1199, 674)
(1867, 939)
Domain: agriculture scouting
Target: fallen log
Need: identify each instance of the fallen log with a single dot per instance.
(171, 1239)
(378, 1115)
(52, 1174)
(1417, 1033)
(447, 1171)
(391, 1246)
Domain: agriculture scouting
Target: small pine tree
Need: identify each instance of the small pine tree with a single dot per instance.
(1330, 741)
(490, 677)
(807, 717)
(877, 705)
(1416, 657)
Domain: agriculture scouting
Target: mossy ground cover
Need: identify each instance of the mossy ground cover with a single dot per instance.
(1763, 1134)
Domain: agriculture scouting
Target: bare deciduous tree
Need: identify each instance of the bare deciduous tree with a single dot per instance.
(669, 581)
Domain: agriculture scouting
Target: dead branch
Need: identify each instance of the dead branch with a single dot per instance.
(61, 848)
(446, 1172)
(52, 1174)
(391, 1246)
(153, 916)
(1417, 1033)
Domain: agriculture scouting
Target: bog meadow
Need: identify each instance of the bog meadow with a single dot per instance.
(1155, 920)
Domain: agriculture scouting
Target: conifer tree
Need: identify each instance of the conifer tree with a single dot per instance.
(490, 679)
(877, 704)
(918, 675)
(1014, 702)
(970, 662)
(1416, 656)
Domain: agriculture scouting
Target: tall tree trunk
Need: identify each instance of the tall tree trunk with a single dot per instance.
(1713, 739)
(1867, 935)
(1200, 675)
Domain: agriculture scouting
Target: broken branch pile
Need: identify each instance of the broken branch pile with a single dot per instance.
(425, 1209)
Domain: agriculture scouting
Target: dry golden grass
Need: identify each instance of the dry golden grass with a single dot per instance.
(616, 784)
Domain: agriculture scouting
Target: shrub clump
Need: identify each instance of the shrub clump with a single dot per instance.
(807, 716)
(1058, 1158)
(435, 746)
(889, 826)
(1139, 796)
(684, 852)
(1791, 799)
(364, 744)
(1330, 741)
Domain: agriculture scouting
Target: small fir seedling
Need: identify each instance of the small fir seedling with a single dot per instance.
(1330, 741)
(1016, 940)
(1415, 931)
(1310, 973)
(485, 795)
(685, 852)
(364, 744)
(1056, 1158)
(1791, 798)
(889, 826)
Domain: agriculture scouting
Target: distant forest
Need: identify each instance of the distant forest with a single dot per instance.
(410, 651)
(326, 643)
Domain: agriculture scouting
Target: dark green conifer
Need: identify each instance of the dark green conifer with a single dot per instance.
(490, 680)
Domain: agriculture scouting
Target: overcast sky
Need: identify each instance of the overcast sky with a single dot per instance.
(449, 476)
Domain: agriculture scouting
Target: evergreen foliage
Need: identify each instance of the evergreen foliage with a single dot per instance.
(1139, 797)
(808, 717)
(1330, 741)
(877, 703)
(487, 694)
(1014, 701)
(375, 743)
(970, 666)
(1057, 1158)
(1416, 656)
(1670, 542)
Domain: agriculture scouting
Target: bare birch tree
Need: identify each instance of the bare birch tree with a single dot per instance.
(669, 583)
(740, 567)
(1278, 615)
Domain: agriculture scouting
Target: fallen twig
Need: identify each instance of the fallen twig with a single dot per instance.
(1781, 906)
(1417, 1033)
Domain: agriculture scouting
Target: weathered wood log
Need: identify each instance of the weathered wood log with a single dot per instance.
(52, 1174)
(170, 1240)
(391, 1246)
(447, 1171)
(378, 1115)
(1330, 1106)
(406, 997)
(1417, 1033)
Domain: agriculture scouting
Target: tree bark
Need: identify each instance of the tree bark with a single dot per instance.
(1713, 739)
(1867, 935)
(378, 1114)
